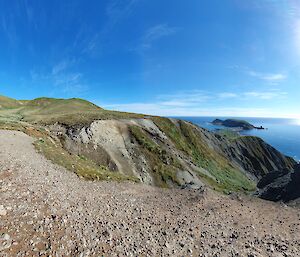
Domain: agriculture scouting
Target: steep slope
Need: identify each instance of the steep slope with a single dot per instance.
(256, 157)
(283, 185)
(154, 150)
(168, 152)
(134, 147)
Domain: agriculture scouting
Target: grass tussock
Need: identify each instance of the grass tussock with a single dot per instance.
(173, 132)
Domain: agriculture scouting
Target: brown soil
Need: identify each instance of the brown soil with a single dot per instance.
(46, 210)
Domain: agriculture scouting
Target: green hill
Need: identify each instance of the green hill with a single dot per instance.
(45, 110)
(7, 103)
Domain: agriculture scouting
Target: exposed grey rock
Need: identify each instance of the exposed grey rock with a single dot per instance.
(256, 157)
(281, 185)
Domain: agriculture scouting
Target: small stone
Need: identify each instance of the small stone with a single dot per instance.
(6, 237)
(271, 249)
(6, 242)
(106, 233)
(3, 211)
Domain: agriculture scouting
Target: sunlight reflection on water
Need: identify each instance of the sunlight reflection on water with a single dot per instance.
(296, 122)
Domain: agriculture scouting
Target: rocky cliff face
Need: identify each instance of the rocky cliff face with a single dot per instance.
(283, 185)
(132, 147)
(249, 154)
(256, 157)
(172, 153)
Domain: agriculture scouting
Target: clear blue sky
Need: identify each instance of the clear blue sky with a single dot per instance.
(170, 57)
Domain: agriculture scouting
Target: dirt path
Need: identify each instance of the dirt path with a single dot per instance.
(46, 210)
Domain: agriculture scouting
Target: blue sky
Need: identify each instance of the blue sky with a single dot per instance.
(170, 57)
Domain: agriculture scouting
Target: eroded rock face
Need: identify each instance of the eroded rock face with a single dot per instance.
(106, 142)
(112, 144)
(281, 185)
(251, 155)
(257, 157)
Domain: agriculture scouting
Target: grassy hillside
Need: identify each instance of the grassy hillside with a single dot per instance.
(164, 165)
(44, 110)
(8, 103)
(189, 140)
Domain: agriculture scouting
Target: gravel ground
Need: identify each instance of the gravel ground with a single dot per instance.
(48, 211)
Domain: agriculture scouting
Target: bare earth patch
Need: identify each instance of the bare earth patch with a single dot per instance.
(46, 210)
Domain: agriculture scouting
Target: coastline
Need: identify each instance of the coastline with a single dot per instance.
(281, 133)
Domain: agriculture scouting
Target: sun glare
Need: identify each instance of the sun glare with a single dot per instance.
(297, 122)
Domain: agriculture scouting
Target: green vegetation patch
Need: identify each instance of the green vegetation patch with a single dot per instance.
(144, 140)
(80, 165)
(46, 111)
(163, 164)
(188, 139)
(8, 103)
(165, 175)
(228, 133)
(227, 177)
(173, 132)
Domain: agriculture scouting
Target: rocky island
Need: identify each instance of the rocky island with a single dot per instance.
(234, 123)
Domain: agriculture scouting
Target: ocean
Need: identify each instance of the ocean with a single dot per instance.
(283, 134)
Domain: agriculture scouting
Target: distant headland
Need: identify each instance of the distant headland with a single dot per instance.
(234, 123)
